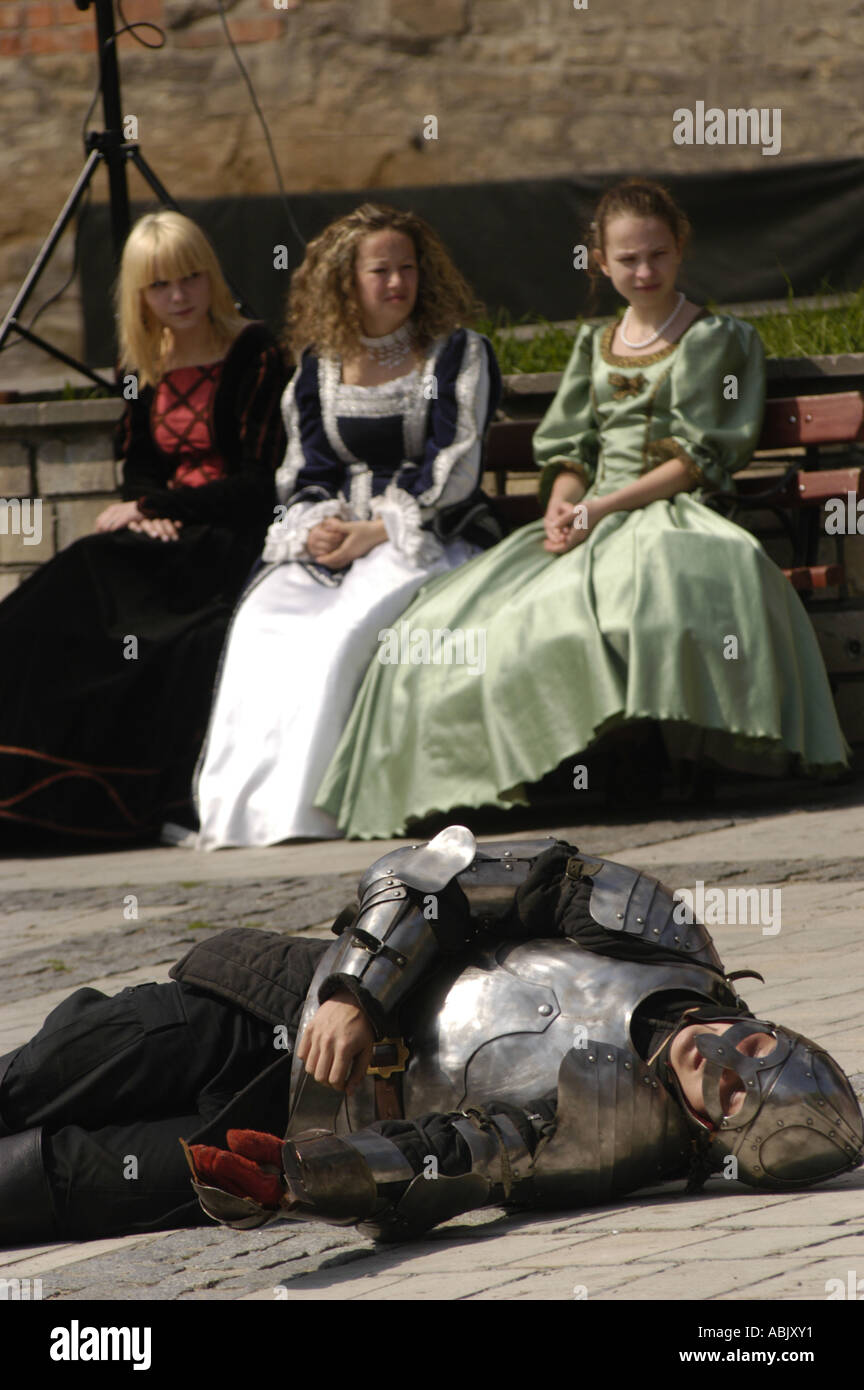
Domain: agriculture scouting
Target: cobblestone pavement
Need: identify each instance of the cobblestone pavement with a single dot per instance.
(109, 920)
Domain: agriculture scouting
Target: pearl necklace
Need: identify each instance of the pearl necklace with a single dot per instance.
(660, 331)
(393, 348)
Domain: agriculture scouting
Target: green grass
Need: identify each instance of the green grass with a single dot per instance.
(797, 332)
(813, 332)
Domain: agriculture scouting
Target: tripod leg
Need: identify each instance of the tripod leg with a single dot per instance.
(133, 152)
(35, 272)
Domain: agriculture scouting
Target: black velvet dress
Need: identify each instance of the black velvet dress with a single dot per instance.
(109, 652)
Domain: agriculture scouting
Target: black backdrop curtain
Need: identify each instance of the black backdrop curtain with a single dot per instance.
(755, 233)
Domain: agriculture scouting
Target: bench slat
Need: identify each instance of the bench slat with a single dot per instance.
(801, 420)
(815, 576)
(830, 482)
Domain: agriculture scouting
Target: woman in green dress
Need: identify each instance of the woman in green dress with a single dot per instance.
(630, 601)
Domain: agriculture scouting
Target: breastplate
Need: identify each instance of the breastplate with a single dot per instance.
(499, 1027)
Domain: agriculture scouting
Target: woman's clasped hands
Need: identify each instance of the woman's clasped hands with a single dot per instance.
(568, 524)
(120, 516)
(336, 543)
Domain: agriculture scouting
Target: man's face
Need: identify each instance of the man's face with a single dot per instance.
(688, 1064)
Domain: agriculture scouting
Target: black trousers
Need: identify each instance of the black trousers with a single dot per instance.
(115, 1083)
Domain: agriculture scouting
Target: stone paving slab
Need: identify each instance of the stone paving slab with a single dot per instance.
(62, 924)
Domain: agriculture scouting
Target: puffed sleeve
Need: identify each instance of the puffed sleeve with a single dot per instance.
(568, 436)
(717, 399)
(464, 390)
(310, 483)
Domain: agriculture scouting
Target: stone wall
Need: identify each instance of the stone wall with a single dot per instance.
(348, 87)
(57, 456)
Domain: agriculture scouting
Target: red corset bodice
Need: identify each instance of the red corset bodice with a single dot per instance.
(182, 424)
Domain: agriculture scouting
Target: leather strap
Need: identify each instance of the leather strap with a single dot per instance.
(389, 1058)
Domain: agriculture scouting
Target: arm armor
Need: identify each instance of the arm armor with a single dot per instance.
(366, 1180)
(419, 903)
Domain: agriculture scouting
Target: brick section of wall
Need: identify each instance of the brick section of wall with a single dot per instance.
(61, 456)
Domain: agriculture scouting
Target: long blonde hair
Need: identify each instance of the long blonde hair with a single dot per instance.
(323, 312)
(165, 245)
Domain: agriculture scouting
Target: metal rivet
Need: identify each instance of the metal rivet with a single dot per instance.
(507, 853)
(640, 920)
(590, 1057)
(620, 916)
(545, 1009)
(610, 1057)
(809, 1122)
(779, 1124)
(628, 1066)
(509, 868)
(655, 1084)
(656, 931)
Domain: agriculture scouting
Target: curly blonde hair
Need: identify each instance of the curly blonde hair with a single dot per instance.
(165, 245)
(323, 312)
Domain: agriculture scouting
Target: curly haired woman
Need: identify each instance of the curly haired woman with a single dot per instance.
(379, 491)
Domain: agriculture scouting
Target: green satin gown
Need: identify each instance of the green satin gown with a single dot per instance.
(669, 613)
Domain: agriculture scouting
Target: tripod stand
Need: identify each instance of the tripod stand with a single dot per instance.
(109, 146)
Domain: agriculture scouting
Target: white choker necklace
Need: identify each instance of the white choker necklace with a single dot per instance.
(393, 349)
(660, 331)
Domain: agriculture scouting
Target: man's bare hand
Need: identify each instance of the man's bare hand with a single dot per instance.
(337, 1045)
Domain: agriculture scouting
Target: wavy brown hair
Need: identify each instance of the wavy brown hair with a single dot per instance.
(323, 312)
(636, 198)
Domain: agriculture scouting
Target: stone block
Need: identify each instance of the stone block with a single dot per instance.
(26, 532)
(418, 18)
(14, 468)
(78, 518)
(63, 476)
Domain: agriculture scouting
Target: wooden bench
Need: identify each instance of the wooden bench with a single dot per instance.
(805, 457)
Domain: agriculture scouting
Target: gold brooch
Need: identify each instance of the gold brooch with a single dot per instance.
(626, 385)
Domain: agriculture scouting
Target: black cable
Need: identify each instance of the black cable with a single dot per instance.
(260, 114)
(128, 28)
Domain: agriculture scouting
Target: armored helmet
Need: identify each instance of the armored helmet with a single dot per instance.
(799, 1123)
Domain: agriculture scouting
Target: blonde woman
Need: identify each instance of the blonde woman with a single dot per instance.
(379, 491)
(117, 639)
